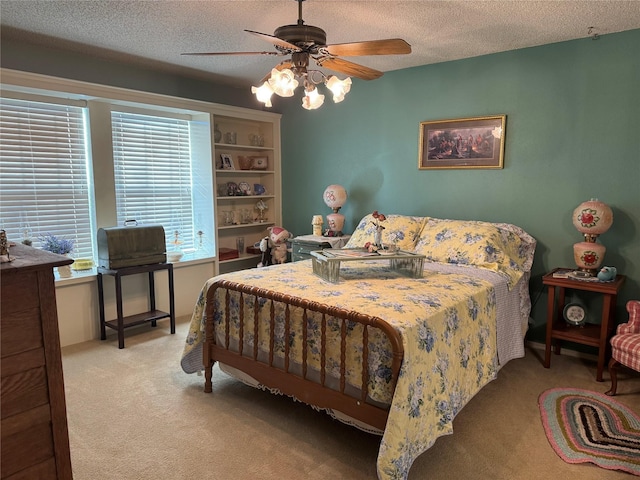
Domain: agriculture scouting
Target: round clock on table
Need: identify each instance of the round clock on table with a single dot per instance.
(574, 314)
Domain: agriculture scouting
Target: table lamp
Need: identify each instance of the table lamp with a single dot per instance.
(335, 197)
(592, 219)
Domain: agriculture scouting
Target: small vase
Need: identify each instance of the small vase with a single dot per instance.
(174, 255)
(377, 237)
(64, 271)
(217, 134)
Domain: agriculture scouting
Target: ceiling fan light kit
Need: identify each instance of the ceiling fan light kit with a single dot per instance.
(303, 42)
(338, 87)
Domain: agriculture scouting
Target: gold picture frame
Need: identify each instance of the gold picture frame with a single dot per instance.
(476, 142)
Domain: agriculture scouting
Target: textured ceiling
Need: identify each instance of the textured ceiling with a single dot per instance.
(155, 33)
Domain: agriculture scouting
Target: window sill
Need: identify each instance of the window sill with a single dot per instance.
(85, 276)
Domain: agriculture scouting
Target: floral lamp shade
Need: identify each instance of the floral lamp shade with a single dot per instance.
(591, 218)
(335, 196)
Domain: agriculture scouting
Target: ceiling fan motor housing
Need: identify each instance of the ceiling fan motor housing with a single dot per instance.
(302, 35)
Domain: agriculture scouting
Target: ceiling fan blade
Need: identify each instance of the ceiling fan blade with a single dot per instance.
(350, 68)
(275, 40)
(232, 53)
(281, 66)
(391, 46)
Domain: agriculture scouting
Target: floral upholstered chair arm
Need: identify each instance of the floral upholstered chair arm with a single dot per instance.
(633, 325)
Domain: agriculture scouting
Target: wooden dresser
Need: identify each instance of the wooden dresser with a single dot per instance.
(35, 439)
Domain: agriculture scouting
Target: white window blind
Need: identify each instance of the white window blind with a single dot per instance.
(152, 162)
(45, 182)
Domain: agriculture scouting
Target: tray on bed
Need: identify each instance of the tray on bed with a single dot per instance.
(326, 263)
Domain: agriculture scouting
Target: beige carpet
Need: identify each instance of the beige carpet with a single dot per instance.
(134, 414)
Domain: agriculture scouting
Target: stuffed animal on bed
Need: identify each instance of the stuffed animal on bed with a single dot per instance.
(274, 247)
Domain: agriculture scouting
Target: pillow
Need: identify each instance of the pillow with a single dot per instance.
(402, 230)
(502, 248)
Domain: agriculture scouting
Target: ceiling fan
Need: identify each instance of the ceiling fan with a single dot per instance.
(304, 42)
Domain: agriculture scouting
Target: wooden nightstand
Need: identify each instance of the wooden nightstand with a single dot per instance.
(589, 334)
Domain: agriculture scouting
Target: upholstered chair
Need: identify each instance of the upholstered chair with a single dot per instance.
(625, 345)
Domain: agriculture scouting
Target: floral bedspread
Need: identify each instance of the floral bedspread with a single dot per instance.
(447, 321)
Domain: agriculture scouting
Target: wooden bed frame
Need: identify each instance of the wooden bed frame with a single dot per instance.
(303, 388)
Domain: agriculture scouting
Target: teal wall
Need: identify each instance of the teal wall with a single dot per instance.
(572, 133)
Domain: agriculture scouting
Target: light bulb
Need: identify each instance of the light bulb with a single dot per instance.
(338, 87)
(283, 82)
(263, 93)
(312, 99)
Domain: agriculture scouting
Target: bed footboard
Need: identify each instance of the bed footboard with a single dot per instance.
(280, 376)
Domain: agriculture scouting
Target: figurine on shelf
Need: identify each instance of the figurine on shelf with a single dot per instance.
(379, 217)
(265, 249)
(4, 247)
(607, 274)
(261, 206)
(317, 222)
(26, 236)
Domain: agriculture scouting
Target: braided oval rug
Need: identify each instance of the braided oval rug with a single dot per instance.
(585, 426)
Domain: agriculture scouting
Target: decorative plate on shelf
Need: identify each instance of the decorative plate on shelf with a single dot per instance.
(582, 276)
(245, 188)
(232, 189)
(259, 189)
(574, 314)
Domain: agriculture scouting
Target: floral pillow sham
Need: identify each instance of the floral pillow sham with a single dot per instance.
(400, 230)
(503, 248)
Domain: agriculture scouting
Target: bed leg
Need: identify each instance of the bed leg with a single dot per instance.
(208, 371)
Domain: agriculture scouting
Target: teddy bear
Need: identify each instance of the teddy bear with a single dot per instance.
(274, 246)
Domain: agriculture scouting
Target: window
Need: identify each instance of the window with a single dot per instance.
(140, 157)
(45, 176)
(152, 162)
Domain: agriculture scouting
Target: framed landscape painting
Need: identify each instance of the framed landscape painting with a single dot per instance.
(476, 142)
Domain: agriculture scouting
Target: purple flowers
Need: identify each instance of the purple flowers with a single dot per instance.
(58, 245)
